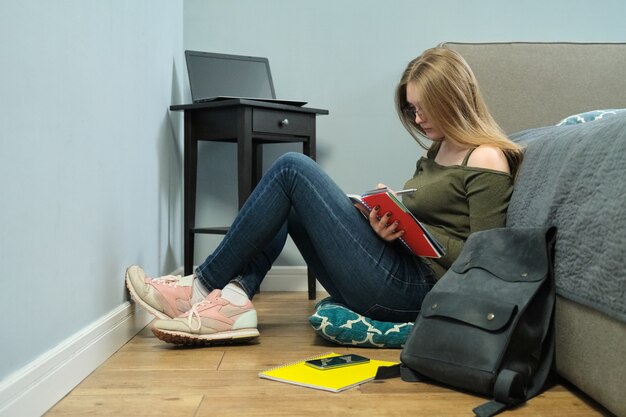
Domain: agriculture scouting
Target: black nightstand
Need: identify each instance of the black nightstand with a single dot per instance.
(249, 124)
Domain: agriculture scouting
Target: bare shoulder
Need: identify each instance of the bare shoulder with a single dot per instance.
(489, 157)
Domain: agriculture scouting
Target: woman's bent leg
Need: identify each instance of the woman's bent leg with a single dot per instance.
(337, 242)
(258, 233)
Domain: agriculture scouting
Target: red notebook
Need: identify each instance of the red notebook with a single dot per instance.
(416, 237)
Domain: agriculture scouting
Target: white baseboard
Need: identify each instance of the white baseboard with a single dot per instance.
(287, 278)
(34, 389)
(281, 278)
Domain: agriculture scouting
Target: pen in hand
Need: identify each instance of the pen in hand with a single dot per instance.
(407, 191)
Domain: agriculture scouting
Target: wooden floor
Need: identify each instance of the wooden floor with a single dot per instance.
(150, 378)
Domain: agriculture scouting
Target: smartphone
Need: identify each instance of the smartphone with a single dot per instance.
(337, 361)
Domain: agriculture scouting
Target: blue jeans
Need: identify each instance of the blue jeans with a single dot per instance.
(372, 277)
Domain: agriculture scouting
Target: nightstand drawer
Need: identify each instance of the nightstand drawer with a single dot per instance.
(276, 121)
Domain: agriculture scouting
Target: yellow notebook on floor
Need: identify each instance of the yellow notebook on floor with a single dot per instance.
(334, 380)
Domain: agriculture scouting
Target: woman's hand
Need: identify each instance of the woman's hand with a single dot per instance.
(382, 227)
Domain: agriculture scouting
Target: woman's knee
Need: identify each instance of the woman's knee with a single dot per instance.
(293, 159)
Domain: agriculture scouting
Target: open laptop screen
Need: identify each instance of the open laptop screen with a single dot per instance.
(214, 75)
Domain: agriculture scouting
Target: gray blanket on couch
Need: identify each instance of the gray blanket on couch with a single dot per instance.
(574, 177)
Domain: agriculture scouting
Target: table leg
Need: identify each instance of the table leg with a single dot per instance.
(189, 193)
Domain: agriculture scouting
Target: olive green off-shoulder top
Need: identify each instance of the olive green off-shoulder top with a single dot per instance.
(455, 201)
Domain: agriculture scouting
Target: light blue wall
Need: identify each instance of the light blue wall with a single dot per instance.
(90, 161)
(347, 55)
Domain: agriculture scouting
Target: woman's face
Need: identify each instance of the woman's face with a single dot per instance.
(413, 99)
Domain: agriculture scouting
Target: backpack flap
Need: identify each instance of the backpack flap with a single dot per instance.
(484, 313)
(512, 255)
(461, 339)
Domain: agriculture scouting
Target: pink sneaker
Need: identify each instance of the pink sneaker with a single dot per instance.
(213, 320)
(165, 297)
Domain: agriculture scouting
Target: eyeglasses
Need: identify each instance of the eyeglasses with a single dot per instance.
(411, 112)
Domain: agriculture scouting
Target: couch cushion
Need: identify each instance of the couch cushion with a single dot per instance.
(530, 84)
(589, 116)
(337, 323)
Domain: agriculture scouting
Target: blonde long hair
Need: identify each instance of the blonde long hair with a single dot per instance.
(453, 102)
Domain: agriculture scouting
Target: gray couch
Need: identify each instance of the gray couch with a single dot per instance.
(573, 177)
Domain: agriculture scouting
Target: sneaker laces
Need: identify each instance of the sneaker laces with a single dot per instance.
(169, 280)
(193, 312)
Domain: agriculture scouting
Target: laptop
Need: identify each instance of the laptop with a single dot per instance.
(214, 77)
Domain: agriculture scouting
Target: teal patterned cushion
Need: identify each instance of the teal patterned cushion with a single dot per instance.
(337, 323)
(589, 116)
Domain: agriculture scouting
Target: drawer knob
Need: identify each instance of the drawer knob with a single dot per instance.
(283, 123)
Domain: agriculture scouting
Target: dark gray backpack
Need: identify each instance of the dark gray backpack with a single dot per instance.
(487, 325)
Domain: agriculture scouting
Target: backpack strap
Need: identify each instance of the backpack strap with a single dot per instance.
(489, 409)
(508, 390)
(509, 387)
(386, 372)
(409, 375)
(398, 370)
